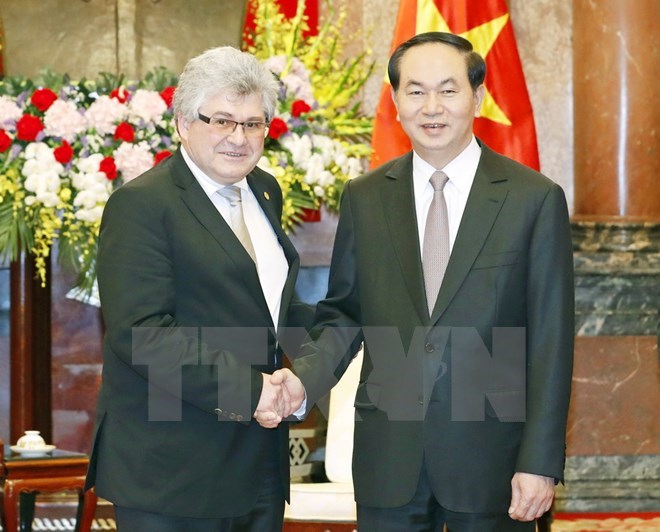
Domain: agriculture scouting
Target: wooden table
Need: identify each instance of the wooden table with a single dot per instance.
(22, 478)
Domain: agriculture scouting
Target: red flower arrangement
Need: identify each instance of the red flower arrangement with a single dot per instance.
(300, 107)
(277, 128)
(42, 99)
(28, 127)
(63, 153)
(125, 132)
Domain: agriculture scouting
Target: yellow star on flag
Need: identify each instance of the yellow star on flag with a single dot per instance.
(482, 38)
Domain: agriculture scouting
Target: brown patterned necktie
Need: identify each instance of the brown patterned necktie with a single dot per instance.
(233, 195)
(436, 241)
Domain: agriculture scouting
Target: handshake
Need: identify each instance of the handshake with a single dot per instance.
(282, 395)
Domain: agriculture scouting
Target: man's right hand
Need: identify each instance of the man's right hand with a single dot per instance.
(281, 396)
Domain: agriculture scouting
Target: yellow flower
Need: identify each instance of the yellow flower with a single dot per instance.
(65, 194)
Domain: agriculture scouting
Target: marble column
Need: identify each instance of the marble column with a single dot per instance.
(613, 429)
(615, 51)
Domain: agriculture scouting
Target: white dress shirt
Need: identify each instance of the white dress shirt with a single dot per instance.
(460, 171)
(272, 265)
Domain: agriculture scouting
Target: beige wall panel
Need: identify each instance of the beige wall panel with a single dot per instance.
(169, 32)
(85, 37)
(65, 35)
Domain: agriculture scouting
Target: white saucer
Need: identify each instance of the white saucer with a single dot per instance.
(32, 453)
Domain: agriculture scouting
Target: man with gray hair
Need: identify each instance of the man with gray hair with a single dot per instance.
(195, 277)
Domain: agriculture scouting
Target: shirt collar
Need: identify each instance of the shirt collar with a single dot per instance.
(460, 170)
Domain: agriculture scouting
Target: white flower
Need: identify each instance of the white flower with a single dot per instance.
(42, 174)
(147, 105)
(326, 147)
(133, 159)
(90, 215)
(94, 142)
(48, 199)
(62, 119)
(38, 167)
(315, 168)
(353, 168)
(41, 182)
(89, 164)
(93, 188)
(104, 114)
(9, 111)
(39, 151)
(42, 177)
(265, 165)
(300, 148)
(326, 178)
(94, 196)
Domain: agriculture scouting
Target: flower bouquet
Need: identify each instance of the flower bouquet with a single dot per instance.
(319, 139)
(64, 146)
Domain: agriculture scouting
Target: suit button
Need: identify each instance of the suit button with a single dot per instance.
(232, 416)
(239, 418)
(429, 348)
(420, 400)
(219, 411)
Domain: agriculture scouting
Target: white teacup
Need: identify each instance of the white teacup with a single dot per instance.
(31, 440)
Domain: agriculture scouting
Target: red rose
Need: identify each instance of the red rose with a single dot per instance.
(5, 141)
(28, 127)
(277, 128)
(109, 168)
(63, 153)
(161, 155)
(125, 132)
(300, 107)
(120, 94)
(42, 99)
(167, 94)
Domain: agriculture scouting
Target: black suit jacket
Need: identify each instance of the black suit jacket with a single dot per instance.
(427, 393)
(187, 333)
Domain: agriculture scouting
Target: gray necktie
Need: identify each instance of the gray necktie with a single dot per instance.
(436, 240)
(233, 195)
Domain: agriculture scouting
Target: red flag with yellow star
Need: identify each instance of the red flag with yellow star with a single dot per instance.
(507, 121)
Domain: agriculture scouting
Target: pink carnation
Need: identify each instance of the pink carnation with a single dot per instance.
(133, 159)
(9, 111)
(147, 105)
(63, 120)
(104, 114)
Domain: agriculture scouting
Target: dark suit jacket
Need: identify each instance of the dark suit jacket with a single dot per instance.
(511, 268)
(187, 331)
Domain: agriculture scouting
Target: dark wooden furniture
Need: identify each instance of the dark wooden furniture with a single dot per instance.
(22, 478)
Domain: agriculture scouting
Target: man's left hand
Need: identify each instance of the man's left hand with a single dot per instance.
(531, 496)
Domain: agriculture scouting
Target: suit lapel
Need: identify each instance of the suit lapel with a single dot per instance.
(485, 200)
(399, 204)
(203, 209)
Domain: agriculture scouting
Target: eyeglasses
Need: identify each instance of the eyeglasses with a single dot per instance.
(226, 126)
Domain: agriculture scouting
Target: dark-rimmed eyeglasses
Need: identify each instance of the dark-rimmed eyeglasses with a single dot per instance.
(227, 126)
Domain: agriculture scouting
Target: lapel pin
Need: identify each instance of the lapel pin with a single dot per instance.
(267, 196)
